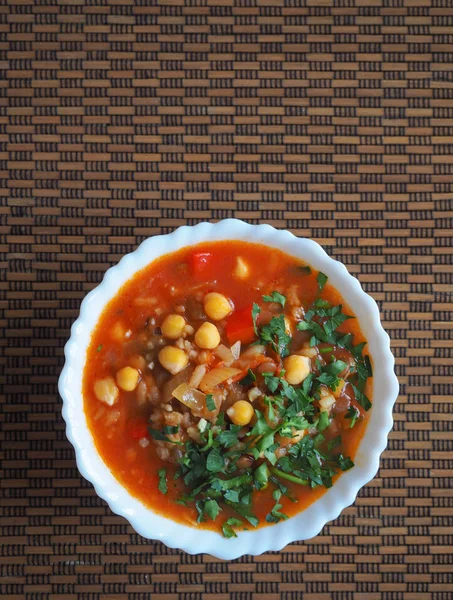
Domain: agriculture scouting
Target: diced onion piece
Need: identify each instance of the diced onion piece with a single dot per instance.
(327, 402)
(254, 393)
(190, 397)
(197, 376)
(250, 356)
(236, 349)
(145, 301)
(308, 352)
(224, 354)
(112, 417)
(201, 425)
(252, 350)
(241, 269)
(216, 376)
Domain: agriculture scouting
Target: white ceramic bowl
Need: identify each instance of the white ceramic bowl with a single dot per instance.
(309, 522)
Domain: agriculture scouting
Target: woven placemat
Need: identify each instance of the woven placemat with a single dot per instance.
(120, 120)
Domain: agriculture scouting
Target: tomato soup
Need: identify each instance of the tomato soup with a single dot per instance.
(227, 386)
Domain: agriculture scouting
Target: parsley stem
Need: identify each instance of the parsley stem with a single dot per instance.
(326, 349)
(287, 476)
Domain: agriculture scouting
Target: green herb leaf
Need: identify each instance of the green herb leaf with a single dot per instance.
(209, 441)
(361, 398)
(288, 476)
(322, 280)
(356, 351)
(326, 349)
(276, 297)
(215, 461)
(334, 322)
(99, 348)
(323, 421)
(252, 520)
(345, 463)
(227, 527)
(249, 378)
(210, 404)
(271, 381)
(275, 515)
(255, 312)
(334, 443)
(304, 269)
(211, 509)
(274, 334)
(335, 368)
(229, 437)
(261, 477)
(162, 435)
(232, 495)
(321, 303)
(162, 485)
(234, 482)
(353, 414)
(260, 426)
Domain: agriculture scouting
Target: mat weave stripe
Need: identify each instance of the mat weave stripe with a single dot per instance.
(123, 119)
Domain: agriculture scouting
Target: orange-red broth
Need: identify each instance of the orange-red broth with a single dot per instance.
(116, 442)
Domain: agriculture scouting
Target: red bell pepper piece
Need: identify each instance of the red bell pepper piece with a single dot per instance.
(139, 430)
(200, 261)
(239, 326)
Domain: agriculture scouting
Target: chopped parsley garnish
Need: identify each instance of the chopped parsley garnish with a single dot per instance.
(284, 415)
(162, 485)
(211, 509)
(255, 312)
(361, 398)
(227, 527)
(249, 378)
(99, 348)
(304, 269)
(274, 335)
(322, 280)
(334, 443)
(353, 414)
(275, 515)
(162, 435)
(210, 404)
(276, 297)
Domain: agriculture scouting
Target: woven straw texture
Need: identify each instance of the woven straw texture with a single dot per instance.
(121, 120)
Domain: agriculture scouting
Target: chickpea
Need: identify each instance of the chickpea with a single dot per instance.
(118, 331)
(207, 336)
(241, 269)
(127, 378)
(241, 412)
(296, 368)
(217, 306)
(173, 359)
(106, 391)
(173, 326)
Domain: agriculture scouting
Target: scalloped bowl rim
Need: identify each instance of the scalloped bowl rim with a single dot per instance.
(310, 521)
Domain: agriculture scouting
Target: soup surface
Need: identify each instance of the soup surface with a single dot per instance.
(227, 385)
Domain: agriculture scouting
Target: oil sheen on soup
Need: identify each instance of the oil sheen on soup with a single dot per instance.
(227, 386)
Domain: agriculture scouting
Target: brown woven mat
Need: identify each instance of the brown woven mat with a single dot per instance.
(121, 120)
